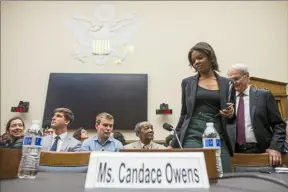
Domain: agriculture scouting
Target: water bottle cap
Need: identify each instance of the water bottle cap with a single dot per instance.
(209, 124)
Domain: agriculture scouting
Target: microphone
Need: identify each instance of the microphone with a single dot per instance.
(169, 127)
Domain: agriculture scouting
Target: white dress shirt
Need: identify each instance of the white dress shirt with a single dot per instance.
(60, 141)
(249, 133)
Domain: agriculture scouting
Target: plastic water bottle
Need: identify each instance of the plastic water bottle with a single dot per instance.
(31, 150)
(211, 140)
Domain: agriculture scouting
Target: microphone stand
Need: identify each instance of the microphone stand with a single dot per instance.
(180, 145)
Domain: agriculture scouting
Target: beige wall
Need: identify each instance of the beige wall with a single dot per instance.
(35, 41)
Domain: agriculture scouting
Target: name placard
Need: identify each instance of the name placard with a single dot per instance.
(147, 170)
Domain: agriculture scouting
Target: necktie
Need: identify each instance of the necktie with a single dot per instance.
(54, 146)
(240, 126)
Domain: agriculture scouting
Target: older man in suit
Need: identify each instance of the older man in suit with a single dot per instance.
(144, 130)
(60, 141)
(259, 126)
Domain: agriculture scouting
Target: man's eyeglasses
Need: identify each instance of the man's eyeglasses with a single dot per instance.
(237, 79)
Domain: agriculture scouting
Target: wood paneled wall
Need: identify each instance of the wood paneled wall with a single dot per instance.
(278, 90)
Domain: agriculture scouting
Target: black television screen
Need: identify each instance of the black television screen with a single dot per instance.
(122, 95)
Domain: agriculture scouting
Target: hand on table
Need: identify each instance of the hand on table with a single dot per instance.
(275, 157)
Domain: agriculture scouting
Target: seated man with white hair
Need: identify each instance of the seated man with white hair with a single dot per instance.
(144, 130)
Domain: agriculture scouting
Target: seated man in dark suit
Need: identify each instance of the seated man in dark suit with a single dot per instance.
(144, 131)
(259, 126)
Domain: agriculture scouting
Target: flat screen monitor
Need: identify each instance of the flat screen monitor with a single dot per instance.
(122, 95)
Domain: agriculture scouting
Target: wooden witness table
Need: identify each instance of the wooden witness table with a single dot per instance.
(82, 158)
(261, 159)
(68, 159)
(10, 159)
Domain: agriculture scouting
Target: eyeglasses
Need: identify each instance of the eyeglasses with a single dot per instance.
(237, 79)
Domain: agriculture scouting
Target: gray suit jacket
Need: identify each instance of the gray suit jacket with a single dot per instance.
(70, 144)
(137, 145)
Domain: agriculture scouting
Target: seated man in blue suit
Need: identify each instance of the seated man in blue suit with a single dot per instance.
(103, 140)
(60, 141)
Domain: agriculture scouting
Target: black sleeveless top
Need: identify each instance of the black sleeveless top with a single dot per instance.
(207, 106)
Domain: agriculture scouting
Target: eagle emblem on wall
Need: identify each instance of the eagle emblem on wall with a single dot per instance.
(103, 35)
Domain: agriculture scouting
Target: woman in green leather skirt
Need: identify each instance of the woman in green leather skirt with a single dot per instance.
(204, 99)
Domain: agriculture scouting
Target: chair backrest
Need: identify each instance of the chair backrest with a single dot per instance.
(9, 162)
(250, 159)
(64, 158)
(242, 162)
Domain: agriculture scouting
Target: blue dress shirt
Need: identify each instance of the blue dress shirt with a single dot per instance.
(93, 144)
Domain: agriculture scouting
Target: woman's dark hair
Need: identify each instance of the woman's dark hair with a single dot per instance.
(77, 133)
(207, 50)
(120, 137)
(12, 119)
